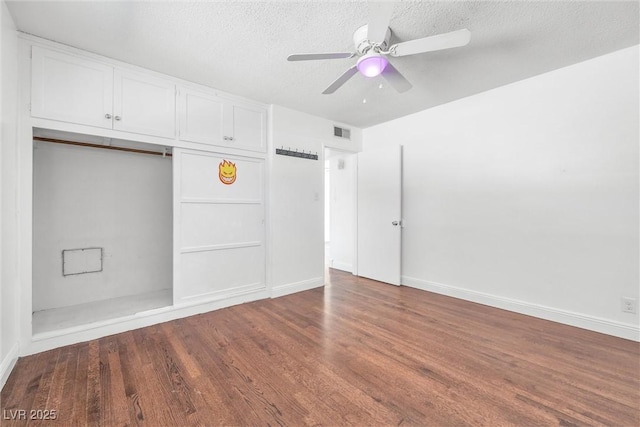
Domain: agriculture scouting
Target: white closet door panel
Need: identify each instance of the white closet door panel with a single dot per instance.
(221, 224)
(249, 127)
(201, 117)
(71, 89)
(221, 272)
(219, 230)
(201, 180)
(144, 104)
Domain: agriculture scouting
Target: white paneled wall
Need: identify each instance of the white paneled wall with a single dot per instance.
(221, 226)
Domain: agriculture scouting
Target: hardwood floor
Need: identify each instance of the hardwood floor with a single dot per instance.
(357, 352)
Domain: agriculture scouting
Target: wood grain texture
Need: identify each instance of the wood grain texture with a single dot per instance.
(357, 352)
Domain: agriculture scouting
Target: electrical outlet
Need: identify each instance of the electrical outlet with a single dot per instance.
(629, 305)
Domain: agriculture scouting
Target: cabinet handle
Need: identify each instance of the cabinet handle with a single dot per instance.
(118, 118)
(226, 138)
(230, 138)
(107, 116)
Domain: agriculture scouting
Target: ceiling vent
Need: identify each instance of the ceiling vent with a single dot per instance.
(341, 132)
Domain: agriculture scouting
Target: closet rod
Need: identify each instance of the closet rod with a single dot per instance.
(107, 147)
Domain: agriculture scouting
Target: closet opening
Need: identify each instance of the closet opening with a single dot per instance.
(102, 229)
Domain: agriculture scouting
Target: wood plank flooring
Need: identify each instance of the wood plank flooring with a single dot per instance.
(357, 352)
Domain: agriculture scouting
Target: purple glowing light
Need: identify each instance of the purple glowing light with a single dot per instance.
(372, 64)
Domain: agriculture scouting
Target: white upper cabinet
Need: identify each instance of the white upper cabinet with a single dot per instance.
(76, 90)
(208, 119)
(201, 117)
(246, 126)
(71, 89)
(144, 104)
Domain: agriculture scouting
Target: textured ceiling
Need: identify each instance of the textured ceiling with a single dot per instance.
(241, 47)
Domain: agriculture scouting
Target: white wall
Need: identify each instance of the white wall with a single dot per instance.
(88, 197)
(343, 210)
(296, 198)
(526, 197)
(8, 191)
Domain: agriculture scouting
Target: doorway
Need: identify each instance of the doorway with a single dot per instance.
(340, 209)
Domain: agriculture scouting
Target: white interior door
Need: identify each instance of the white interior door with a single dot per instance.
(380, 214)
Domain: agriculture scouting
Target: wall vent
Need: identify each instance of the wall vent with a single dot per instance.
(341, 132)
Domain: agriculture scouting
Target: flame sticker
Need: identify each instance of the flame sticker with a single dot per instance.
(227, 172)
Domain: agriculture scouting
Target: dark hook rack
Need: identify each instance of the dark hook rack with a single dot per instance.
(301, 155)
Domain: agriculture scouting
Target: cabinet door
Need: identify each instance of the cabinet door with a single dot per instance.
(144, 104)
(70, 89)
(200, 117)
(247, 124)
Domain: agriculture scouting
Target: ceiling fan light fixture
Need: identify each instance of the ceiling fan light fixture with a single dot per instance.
(372, 64)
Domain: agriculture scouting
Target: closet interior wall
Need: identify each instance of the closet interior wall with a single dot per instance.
(117, 201)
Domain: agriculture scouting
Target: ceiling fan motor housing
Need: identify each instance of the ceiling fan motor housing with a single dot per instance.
(364, 45)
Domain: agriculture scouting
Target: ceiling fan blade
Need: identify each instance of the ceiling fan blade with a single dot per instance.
(429, 44)
(341, 80)
(379, 17)
(314, 56)
(395, 79)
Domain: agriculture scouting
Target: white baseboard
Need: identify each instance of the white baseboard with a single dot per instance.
(344, 266)
(592, 323)
(7, 364)
(290, 288)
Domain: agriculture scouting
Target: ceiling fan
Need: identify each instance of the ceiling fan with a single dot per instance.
(372, 49)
